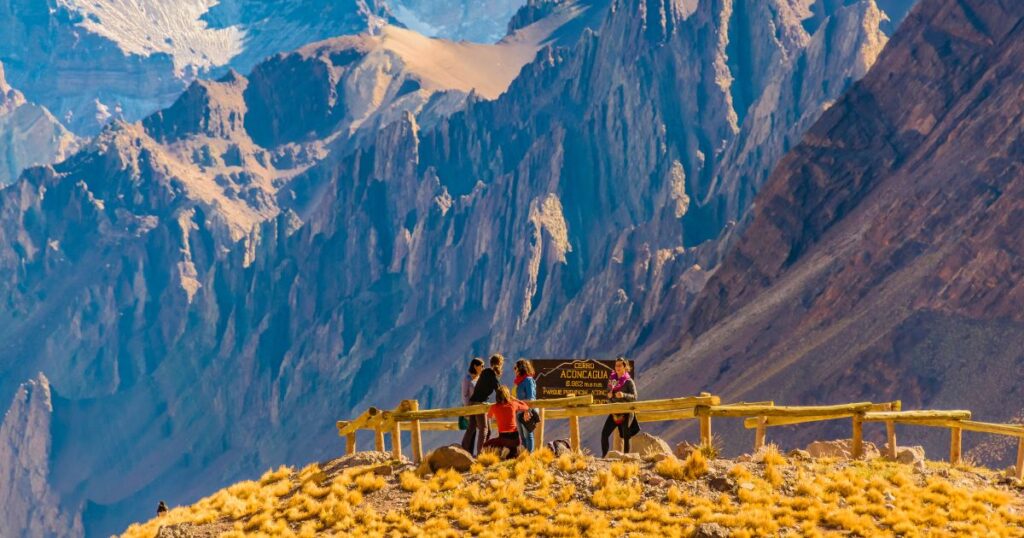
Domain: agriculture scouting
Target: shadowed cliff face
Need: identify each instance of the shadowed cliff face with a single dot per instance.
(882, 259)
(209, 290)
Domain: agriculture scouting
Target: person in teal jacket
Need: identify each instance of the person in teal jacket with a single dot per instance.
(526, 389)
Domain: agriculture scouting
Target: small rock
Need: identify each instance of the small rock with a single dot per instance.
(722, 483)
(910, 455)
(744, 458)
(384, 470)
(711, 530)
(655, 457)
(889, 497)
(842, 502)
(799, 454)
(655, 480)
(890, 506)
(449, 457)
(645, 444)
(920, 467)
(749, 486)
(683, 450)
(616, 455)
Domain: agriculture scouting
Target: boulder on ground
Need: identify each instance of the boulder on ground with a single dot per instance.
(840, 448)
(910, 455)
(711, 530)
(449, 457)
(644, 444)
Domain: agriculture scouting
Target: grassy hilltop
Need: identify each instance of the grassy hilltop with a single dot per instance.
(366, 494)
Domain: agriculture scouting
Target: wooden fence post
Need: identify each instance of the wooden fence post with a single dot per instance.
(617, 442)
(956, 437)
(574, 429)
(396, 440)
(759, 435)
(890, 431)
(574, 433)
(417, 438)
(1020, 459)
(350, 443)
(378, 439)
(538, 434)
(705, 423)
(857, 443)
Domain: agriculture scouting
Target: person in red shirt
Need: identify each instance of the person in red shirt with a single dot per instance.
(504, 413)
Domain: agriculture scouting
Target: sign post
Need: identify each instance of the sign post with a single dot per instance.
(557, 378)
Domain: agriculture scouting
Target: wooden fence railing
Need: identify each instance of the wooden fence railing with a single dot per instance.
(758, 416)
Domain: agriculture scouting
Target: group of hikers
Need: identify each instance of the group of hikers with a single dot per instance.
(513, 415)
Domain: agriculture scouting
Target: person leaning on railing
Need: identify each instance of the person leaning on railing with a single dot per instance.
(488, 382)
(468, 385)
(504, 413)
(621, 388)
(526, 389)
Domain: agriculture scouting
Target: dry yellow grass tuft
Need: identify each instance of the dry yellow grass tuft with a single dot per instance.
(693, 467)
(537, 495)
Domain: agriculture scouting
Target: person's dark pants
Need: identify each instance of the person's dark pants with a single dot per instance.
(509, 440)
(476, 433)
(606, 433)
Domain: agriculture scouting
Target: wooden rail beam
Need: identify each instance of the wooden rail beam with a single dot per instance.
(908, 416)
(347, 427)
(673, 408)
(480, 409)
(1013, 430)
(661, 416)
(751, 423)
(783, 411)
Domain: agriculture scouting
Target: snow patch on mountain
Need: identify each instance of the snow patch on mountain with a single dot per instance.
(147, 27)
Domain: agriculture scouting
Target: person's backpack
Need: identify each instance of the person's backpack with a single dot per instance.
(559, 446)
(529, 423)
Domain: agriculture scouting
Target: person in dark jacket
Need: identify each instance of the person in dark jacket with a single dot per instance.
(488, 382)
(621, 388)
(161, 508)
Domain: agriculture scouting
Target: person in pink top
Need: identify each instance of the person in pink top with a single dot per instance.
(504, 413)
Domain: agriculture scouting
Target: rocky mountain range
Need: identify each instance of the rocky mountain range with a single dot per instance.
(90, 60)
(882, 260)
(29, 134)
(208, 289)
